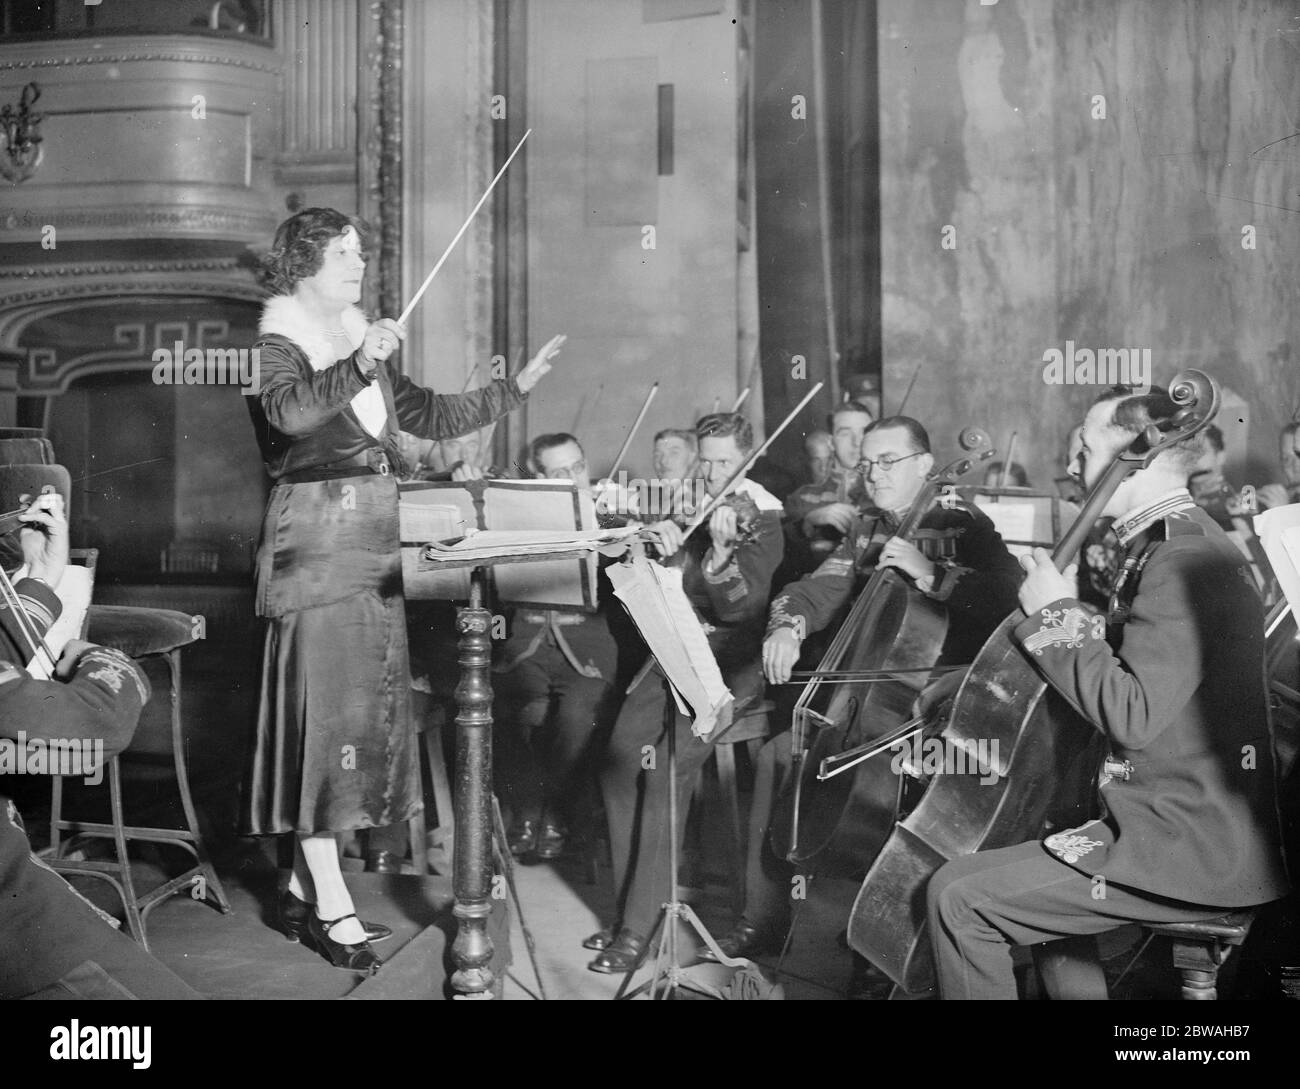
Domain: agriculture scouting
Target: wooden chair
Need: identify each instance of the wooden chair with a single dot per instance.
(1202, 947)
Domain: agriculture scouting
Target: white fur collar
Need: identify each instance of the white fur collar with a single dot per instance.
(285, 315)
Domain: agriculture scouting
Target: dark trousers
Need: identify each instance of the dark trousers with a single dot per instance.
(634, 783)
(539, 768)
(768, 879)
(981, 905)
(62, 949)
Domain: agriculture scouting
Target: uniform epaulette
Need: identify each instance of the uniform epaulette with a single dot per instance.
(1183, 523)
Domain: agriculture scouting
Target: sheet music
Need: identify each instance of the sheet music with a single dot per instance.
(1013, 520)
(490, 544)
(74, 591)
(1279, 532)
(657, 603)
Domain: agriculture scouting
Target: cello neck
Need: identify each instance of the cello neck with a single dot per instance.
(1198, 395)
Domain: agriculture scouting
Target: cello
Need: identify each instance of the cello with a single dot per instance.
(1036, 741)
(874, 668)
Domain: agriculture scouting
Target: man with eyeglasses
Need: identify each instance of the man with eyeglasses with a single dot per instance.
(956, 558)
(556, 668)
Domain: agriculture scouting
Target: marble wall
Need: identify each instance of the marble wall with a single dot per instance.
(1161, 218)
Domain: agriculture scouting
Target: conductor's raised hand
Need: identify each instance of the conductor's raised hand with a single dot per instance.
(44, 536)
(540, 364)
(381, 340)
(1044, 583)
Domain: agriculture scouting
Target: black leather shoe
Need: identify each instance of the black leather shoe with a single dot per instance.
(550, 840)
(602, 939)
(383, 862)
(744, 940)
(622, 955)
(522, 838)
(355, 958)
(295, 914)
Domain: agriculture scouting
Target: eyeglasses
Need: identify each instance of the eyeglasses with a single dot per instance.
(886, 462)
(567, 472)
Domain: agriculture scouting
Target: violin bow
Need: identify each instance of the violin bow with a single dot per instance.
(749, 383)
(463, 228)
(26, 627)
(907, 395)
(631, 434)
(748, 464)
(1006, 461)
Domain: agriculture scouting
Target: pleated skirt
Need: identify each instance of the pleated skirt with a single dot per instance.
(334, 747)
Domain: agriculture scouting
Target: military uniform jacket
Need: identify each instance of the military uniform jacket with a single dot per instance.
(976, 581)
(100, 702)
(1175, 681)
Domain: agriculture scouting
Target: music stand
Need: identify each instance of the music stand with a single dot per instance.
(667, 967)
(472, 949)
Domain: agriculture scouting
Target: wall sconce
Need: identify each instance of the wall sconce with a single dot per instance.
(20, 142)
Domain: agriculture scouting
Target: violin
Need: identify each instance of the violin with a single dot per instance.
(890, 642)
(1046, 754)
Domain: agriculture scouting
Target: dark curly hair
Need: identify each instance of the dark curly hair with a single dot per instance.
(299, 247)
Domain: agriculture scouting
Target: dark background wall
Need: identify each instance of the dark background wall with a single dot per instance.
(1117, 232)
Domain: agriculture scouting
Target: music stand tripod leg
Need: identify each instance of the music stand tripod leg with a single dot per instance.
(508, 869)
(667, 967)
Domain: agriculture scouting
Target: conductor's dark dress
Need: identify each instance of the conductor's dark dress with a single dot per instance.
(335, 747)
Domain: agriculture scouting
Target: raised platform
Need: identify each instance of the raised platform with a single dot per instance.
(242, 955)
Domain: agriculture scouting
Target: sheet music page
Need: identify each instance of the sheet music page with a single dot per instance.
(74, 591)
(1013, 520)
(657, 603)
(1279, 532)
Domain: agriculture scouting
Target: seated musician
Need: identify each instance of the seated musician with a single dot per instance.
(1016, 477)
(958, 559)
(1173, 677)
(818, 455)
(53, 943)
(675, 460)
(819, 514)
(553, 685)
(727, 575)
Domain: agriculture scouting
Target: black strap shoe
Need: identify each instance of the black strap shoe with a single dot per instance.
(295, 914)
(355, 958)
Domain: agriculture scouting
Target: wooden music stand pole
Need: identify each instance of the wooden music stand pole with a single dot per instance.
(472, 865)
